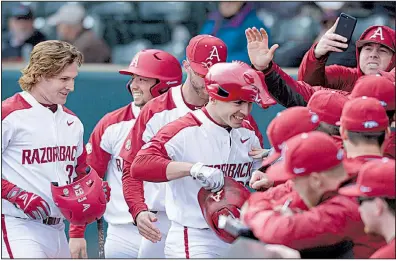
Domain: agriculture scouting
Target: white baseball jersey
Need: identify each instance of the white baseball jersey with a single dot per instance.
(157, 113)
(197, 138)
(38, 147)
(103, 151)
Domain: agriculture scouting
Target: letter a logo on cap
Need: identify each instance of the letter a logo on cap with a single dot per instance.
(135, 60)
(213, 54)
(377, 32)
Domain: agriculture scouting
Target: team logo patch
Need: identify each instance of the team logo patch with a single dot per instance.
(66, 192)
(217, 197)
(370, 124)
(214, 53)
(88, 148)
(128, 145)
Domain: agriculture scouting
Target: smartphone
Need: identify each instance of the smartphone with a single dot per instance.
(345, 27)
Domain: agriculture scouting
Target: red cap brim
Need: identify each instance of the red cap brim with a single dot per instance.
(199, 68)
(352, 191)
(278, 173)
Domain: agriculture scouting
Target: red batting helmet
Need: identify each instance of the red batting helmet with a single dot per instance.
(157, 64)
(237, 81)
(227, 202)
(83, 201)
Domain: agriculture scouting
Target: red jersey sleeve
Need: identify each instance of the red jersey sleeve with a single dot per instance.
(76, 231)
(326, 224)
(6, 187)
(315, 72)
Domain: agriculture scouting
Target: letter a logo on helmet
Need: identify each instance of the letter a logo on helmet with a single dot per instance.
(86, 205)
(227, 202)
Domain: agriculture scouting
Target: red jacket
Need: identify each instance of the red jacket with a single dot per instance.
(387, 251)
(334, 220)
(389, 145)
(315, 72)
(260, 202)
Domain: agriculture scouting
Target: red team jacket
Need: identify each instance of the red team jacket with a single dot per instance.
(323, 230)
(314, 71)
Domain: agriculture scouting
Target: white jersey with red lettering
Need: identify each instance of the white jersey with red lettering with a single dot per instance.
(197, 138)
(38, 147)
(103, 151)
(157, 113)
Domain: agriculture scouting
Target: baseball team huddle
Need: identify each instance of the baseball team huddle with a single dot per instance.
(163, 169)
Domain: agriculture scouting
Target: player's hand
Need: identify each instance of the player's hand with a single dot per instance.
(257, 45)
(106, 188)
(210, 178)
(258, 153)
(144, 222)
(78, 248)
(330, 42)
(31, 204)
(260, 181)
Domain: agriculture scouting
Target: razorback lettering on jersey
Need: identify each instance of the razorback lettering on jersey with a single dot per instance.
(228, 152)
(49, 154)
(39, 147)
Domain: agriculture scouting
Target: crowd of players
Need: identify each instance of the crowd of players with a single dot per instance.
(325, 188)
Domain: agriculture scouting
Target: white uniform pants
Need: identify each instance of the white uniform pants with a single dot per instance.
(156, 250)
(22, 238)
(187, 242)
(122, 241)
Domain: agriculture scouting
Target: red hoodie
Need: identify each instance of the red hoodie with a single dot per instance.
(315, 72)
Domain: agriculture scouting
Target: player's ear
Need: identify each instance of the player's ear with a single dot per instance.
(186, 65)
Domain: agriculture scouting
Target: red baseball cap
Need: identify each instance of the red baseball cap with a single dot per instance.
(364, 114)
(328, 105)
(286, 124)
(205, 50)
(376, 178)
(378, 34)
(375, 86)
(304, 154)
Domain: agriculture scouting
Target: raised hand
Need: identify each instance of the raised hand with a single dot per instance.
(330, 42)
(257, 45)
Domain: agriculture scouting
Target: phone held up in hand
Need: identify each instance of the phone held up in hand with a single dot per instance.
(345, 27)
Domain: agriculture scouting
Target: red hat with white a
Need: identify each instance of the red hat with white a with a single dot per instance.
(304, 154)
(376, 178)
(205, 50)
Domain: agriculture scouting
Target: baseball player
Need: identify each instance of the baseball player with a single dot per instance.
(153, 72)
(202, 52)
(364, 126)
(196, 151)
(42, 142)
(375, 189)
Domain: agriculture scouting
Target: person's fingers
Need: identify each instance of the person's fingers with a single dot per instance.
(148, 236)
(150, 228)
(149, 233)
(332, 29)
(273, 49)
(336, 38)
(248, 36)
(251, 34)
(262, 183)
(264, 34)
(331, 43)
(334, 49)
(257, 34)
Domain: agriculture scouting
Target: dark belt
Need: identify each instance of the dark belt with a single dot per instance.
(51, 221)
